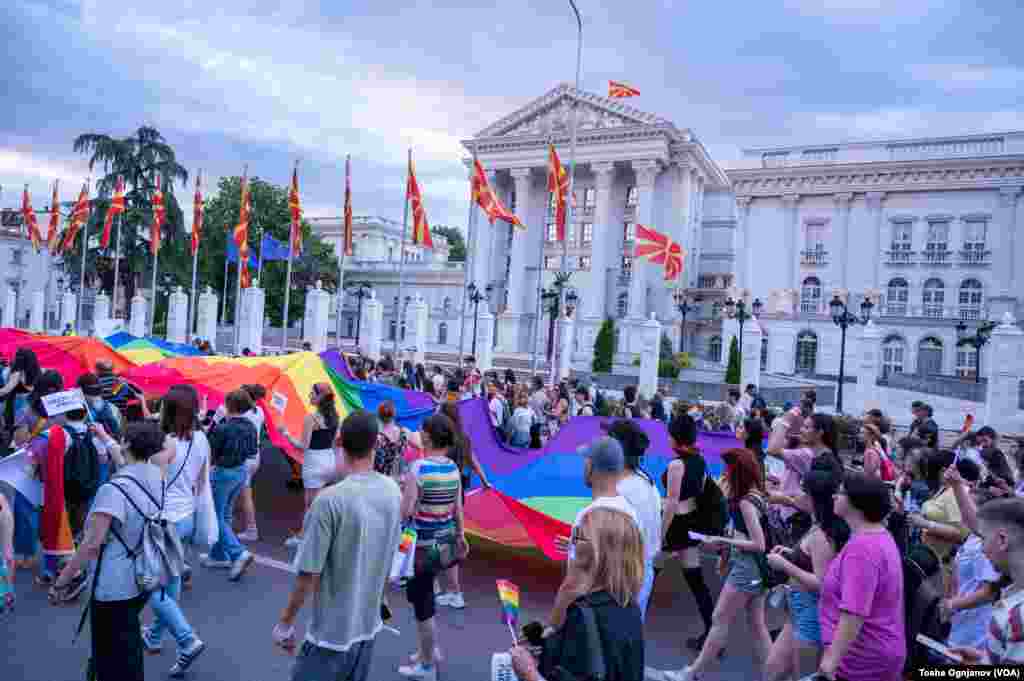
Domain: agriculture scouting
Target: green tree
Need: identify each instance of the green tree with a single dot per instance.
(665, 351)
(140, 159)
(604, 347)
(456, 243)
(732, 371)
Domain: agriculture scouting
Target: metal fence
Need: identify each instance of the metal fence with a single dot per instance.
(606, 381)
(776, 395)
(943, 386)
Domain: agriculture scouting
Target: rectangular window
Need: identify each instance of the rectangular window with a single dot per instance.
(628, 231)
(584, 262)
(551, 262)
(627, 264)
(17, 256)
(814, 236)
(588, 232)
(572, 233)
(974, 241)
(551, 232)
(589, 197)
(632, 196)
(938, 242)
(552, 203)
(512, 200)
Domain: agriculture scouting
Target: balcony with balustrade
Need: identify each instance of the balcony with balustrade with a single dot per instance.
(900, 257)
(932, 311)
(814, 258)
(936, 257)
(972, 258)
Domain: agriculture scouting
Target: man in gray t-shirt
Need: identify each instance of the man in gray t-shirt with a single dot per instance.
(352, 532)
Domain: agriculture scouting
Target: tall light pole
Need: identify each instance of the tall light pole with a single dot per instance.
(738, 311)
(569, 211)
(979, 340)
(361, 290)
(685, 308)
(843, 318)
(476, 297)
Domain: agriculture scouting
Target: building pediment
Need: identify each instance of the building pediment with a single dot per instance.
(551, 114)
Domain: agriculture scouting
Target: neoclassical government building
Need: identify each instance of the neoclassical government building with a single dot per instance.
(926, 228)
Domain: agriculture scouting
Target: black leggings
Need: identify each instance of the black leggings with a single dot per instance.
(117, 639)
(420, 592)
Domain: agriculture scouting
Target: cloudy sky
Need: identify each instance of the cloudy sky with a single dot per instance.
(230, 82)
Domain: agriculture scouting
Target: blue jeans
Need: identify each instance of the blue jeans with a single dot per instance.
(167, 613)
(227, 484)
(26, 528)
(646, 587)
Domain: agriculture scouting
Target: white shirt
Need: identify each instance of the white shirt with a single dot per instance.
(645, 500)
(180, 501)
(497, 411)
(619, 503)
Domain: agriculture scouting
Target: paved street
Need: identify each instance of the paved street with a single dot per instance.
(235, 619)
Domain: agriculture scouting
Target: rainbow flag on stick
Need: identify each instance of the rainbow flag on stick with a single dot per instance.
(508, 594)
(402, 563)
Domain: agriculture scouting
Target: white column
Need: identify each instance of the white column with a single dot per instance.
(206, 315)
(250, 333)
(315, 323)
(37, 303)
(741, 245)
(101, 311)
(521, 258)
(1004, 376)
(791, 232)
(843, 237)
(782, 345)
(750, 367)
(595, 302)
(1004, 295)
(566, 328)
(68, 311)
(137, 325)
(680, 220)
(371, 327)
(418, 321)
(485, 340)
(10, 308)
(868, 366)
(177, 316)
(646, 173)
(874, 201)
(650, 337)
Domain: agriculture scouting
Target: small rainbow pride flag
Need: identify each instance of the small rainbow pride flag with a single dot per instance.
(408, 540)
(508, 594)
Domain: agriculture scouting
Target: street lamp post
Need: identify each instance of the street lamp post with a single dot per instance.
(979, 340)
(738, 310)
(60, 303)
(476, 297)
(844, 319)
(361, 290)
(685, 308)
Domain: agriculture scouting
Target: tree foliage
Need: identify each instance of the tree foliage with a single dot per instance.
(456, 243)
(604, 347)
(732, 371)
(665, 351)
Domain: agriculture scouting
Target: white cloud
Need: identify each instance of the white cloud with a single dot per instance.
(895, 123)
(958, 77)
(18, 168)
(864, 12)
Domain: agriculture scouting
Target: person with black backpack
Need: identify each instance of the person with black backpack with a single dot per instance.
(123, 533)
(85, 458)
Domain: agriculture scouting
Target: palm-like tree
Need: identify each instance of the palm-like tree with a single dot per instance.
(140, 159)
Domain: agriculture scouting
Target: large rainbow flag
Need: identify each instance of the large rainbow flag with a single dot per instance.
(72, 356)
(149, 349)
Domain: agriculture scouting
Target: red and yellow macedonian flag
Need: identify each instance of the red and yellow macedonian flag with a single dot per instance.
(488, 201)
(296, 210)
(159, 214)
(116, 208)
(558, 185)
(52, 242)
(659, 249)
(242, 232)
(29, 215)
(197, 213)
(346, 245)
(420, 228)
(79, 215)
(619, 90)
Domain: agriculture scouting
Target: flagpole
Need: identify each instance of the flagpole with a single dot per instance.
(571, 208)
(152, 316)
(81, 282)
(191, 316)
(224, 296)
(540, 288)
(401, 263)
(470, 256)
(287, 280)
(241, 262)
(117, 263)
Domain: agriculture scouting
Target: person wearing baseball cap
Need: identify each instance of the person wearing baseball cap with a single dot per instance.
(640, 491)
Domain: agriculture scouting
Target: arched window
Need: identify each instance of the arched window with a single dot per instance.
(932, 298)
(715, 349)
(617, 338)
(442, 334)
(392, 330)
(764, 354)
(896, 300)
(446, 306)
(894, 349)
(403, 330)
(971, 294)
(966, 361)
(350, 326)
(394, 302)
(806, 351)
(810, 295)
(929, 356)
(622, 305)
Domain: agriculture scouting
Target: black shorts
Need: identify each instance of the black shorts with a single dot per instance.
(420, 593)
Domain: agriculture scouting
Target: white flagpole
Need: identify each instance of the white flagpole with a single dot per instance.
(401, 266)
(469, 260)
(117, 263)
(81, 285)
(287, 280)
(238, 286)
(195, 264)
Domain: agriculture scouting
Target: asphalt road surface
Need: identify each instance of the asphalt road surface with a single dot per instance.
(235, 619)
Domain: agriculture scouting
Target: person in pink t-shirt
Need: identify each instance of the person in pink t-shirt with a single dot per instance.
(861, 607)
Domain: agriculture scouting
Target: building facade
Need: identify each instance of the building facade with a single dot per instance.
(928, 229)
(24, 271)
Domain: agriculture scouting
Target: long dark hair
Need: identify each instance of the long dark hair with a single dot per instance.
(461, 451)
(935, 462)
(27, 363)
(754, 441)
(47, 383)
(821, 487)
(325, 405)
(742, 472)
(180, 409)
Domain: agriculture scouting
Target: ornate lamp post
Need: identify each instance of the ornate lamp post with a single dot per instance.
(476, 297)
(844, 319)
(738, 310)
(60, 302)
(685, 307)
(361, 290)
(980, 339)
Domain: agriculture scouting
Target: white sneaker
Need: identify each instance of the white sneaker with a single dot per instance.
(250, 534)
(455, 600)
(207, 562)
(239, 567)
(418, 671)
(442, 598)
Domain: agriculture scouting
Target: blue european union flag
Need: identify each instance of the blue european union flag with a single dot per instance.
(274, 249)
(232, 252)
